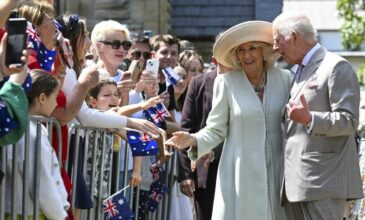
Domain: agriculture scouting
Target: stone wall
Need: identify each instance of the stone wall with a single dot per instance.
(139, 15)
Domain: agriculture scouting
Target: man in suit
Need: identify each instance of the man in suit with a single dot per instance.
(201, 182)
(321, 170)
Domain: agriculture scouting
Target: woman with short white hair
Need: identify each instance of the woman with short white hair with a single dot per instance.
(110, 40)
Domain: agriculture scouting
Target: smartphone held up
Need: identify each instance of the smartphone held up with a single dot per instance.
(16, 42)
(135, 69)
(152, 66)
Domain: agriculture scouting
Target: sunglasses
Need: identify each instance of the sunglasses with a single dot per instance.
(137, 54)
(115, 44)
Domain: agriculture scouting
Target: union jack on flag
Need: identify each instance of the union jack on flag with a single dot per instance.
(141, 143)
(157, 189)
(157, 115)
(116, 207)
(33, 38)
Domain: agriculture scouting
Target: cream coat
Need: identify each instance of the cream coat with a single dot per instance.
(248, 181)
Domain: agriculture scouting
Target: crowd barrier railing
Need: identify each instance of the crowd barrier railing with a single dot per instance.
(162, 213)
(99, 159)
(23, 149)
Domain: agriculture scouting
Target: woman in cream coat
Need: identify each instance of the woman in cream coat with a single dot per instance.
(246, 113)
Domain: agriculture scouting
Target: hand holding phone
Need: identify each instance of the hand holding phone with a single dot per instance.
(152, 66)
(135, 69)
(16, 41)
(12, 69)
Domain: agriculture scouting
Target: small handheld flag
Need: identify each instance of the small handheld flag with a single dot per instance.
(171, 76)
(116, 207)
(157, 115)
(141, 143)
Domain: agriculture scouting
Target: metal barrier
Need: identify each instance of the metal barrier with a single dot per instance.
(134, 192)
(14, 151)
(98, 140)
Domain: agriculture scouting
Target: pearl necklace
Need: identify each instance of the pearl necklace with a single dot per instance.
(258, 89)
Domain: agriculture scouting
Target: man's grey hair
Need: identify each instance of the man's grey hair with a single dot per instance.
(295, 22)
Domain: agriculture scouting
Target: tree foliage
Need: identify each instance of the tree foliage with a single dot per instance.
(353, 25)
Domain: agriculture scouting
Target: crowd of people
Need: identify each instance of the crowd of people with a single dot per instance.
(253, 141)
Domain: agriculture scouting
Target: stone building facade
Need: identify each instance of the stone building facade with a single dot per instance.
(196, 20)
(139, 15)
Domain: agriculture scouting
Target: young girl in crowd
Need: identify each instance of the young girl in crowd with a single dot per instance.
(52, 193)
(191, 61)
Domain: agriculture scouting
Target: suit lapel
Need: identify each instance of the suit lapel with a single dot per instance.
(307, 73)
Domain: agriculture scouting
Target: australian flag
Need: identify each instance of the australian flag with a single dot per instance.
(46, 57)
(157, 115)
(157, 189)
(116, 207)
(171, 76)
(8, 123)
(40, 57)
(33, 37)
(141, 143)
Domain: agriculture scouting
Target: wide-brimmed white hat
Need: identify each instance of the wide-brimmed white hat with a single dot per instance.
(223, 49)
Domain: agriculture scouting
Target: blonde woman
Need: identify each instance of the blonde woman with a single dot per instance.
(246, 114)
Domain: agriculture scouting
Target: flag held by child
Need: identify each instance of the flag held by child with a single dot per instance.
(157, 115)
(141, 143)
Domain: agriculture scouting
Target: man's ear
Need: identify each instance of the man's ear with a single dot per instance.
(295, 36)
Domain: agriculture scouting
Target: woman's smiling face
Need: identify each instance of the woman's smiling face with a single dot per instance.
(109, 55)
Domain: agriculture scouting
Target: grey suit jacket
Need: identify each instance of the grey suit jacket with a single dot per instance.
(324, 164)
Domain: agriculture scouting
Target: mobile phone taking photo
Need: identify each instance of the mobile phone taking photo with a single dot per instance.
(135, 69)
(152, 66)
(16, 42)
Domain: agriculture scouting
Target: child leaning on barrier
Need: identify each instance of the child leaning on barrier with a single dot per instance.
(52, 193)
(104, 97)
(147, 163)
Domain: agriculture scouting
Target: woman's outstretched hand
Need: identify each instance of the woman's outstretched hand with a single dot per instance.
(181, 140)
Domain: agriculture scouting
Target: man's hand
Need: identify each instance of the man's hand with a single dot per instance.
(187, 187)
(298, 111)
